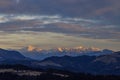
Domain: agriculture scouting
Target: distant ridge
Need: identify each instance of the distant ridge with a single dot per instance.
(12, 55)
(101, 64)
(39, 54)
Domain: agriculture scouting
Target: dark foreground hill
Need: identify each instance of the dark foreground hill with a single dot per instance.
(97, 65)
(19, 72)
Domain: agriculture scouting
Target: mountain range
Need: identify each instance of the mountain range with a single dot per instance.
(106, 64)
(12, 55)
(40, 54)
(102, 64)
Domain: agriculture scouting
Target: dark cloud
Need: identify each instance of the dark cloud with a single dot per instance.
(88, 19)
(5, 3)
(95, 29)
(105, 9)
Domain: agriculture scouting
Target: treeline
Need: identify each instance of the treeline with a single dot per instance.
(53, 74)
(50, 76)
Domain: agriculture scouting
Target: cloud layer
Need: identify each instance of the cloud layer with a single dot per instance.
(105, 9)
(87, 28)
(55, 23)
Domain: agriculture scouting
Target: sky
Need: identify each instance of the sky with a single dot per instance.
(60, 23)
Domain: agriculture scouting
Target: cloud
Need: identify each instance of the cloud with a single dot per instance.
(47, 40)
(107, 10)
(22, 22)
(5, 3)
(88, 28)
(71, 22)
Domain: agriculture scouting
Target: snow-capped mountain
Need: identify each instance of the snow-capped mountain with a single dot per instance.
(83, 63)
(39, 54)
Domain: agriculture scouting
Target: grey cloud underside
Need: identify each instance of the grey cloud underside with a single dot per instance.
(72, 26)
(105, 9)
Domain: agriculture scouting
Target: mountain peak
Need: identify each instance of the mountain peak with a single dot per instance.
(32, 48)
(60, 49)
(80, 48)
(94, 49)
